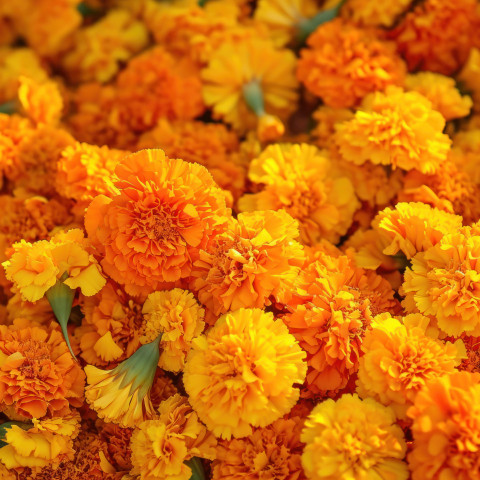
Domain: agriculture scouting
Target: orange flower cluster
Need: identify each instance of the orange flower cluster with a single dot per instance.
(240, 240)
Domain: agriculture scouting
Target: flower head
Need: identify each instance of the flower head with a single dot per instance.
(241, 374)
(370, 13)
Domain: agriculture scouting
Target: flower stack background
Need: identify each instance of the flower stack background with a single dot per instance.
(240, 240)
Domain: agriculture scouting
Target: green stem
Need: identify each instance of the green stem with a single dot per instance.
(198, 473)
(8, 107)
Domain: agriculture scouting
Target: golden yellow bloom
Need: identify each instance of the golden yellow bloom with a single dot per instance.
(160, 447)
(414, 227)
(395, 128)
(444, 281)
(442, 92)
(46, 442)
(241, 374)
(247, 80)
(446, 422)
(470, 76)
(399, 357)
(303, 181)
(326, 118)
(179, 318)
(353, 439)
(371, 13)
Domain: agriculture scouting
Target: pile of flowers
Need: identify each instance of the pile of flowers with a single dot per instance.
(240, 240)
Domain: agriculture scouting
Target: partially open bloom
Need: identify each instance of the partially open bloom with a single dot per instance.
(305, 182)
(343, 63)
(37, 373)
(164, 213)
(395, 128)
(353, 439)
(446, 422)
(179, 318)
(242, 373)
(160, 447)
(400, 357)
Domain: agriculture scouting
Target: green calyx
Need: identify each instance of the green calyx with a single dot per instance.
(8, 107)
(198, 472)
(253, 96)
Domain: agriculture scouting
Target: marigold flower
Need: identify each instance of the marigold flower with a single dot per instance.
(160, 447)
(241, 374)
(162, 388)
(446, 422)
(465, 153)
(304, 181)
(270, 453)
(469, 76)
(117, 442)
(38, 312)
(353, 438)
(46, 442)
(326, 118)
(414, 227)
(444, 281)
(370, 13)
(400, 357)
(256, 257)
(37, 373)
(343, 63)
(165, 211)
(179, 318)
(395, 128)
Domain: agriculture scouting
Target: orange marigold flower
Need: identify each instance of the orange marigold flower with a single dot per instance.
(270, 453)
(165, 211)
(160, 447)
(414, 227)
(446, 422)
(437, 35)
(256, 257)
(162, 388)
(444, 281)
(395, 128)
(370, 13)
(241, 374)
(344, 63)
(46, 442)
(442, 92)
(469, 76)
(471, 363)
(303, 181)
(353, 438)
(37, 373)
(399, 357)
(117, 449)
(465, 153)
(176, 315)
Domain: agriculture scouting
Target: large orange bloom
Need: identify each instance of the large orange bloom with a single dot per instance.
(165, 212)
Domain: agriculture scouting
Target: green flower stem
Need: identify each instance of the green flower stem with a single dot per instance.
(198, 473)
(8, 107)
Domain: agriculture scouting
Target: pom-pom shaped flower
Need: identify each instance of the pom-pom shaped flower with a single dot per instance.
(304, 181)
(176, 315)
(414, 227)
(37, 373)
(444, 282)
(400, 357)
(343, 63)
(160, 447)
(353, 438)
(242, 373)
(164, 213)
(254, 258)
(395, 128)
(270, 453)
(446, 422)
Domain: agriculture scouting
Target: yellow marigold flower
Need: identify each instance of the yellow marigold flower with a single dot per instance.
(399, 357)
(446, 422)
(160, 447)
(100, 48)
(38, 312)
(343, 63)
(179, 318)
(371, 13)
(353, 439)
(395, 128)
(247, 80)
(414, 227)
(241, 374)
(444, 281)
(46, 442)
(272, 453)
(442, 92)
(165, 212)
(437, 35)
(256, 257)
(303, 181)
(121, 395)
(469, 76)
(326, 118)
(35, 267)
